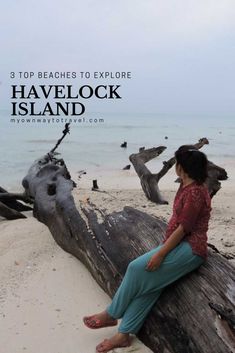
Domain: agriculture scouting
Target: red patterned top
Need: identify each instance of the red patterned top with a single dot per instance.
(191, 209)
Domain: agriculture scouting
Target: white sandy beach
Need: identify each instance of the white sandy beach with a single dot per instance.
(45, 292)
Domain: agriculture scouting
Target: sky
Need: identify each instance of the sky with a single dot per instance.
(180, 53)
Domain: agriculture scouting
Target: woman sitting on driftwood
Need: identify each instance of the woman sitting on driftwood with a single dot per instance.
(183, 250)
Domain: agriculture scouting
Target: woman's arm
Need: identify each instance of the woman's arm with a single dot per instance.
(170, 244)
(193, 203)
(172, 241)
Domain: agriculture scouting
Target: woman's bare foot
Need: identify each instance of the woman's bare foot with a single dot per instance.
(99, 320)
(118, 340)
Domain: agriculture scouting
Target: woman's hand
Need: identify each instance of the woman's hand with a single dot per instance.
(155, 262)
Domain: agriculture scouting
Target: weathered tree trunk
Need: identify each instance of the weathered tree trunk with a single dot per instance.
(149, 181)
(215, 173)
(185, 319)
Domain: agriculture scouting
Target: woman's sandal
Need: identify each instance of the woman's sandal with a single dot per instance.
(106, 346)
(93, 323)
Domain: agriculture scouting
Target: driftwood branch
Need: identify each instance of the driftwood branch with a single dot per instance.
(10, 208)
(169, 164)
(65, 132)
(149, 181)
(10, 200)
(9, 213)
(11, 196)
(215, 173)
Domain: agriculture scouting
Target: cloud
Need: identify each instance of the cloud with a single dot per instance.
(107, 26)
(169, 45)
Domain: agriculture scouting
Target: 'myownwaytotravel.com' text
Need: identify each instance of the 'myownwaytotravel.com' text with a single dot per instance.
(57, 120)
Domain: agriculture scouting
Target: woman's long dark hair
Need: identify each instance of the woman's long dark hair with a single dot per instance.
(193, 162)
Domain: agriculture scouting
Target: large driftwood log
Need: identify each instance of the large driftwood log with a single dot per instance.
(149, 181)
(194, 315)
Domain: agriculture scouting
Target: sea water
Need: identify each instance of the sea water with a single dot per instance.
(95, 146)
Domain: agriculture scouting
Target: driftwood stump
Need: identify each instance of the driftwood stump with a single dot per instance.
(194, 315)
(149, 181)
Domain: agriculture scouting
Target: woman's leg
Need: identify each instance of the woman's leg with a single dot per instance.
(127, 290)
(131, 285)
(137, 311)
(141, 289)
